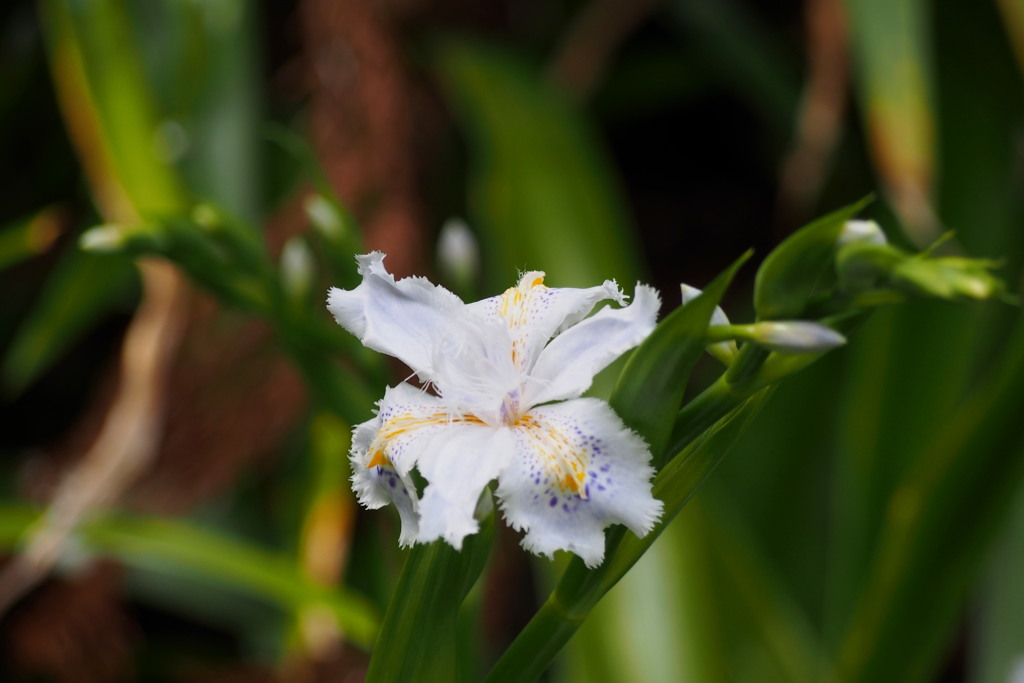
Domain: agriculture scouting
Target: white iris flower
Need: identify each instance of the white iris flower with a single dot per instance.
(509, 372)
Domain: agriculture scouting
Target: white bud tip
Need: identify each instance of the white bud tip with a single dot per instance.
(296, 265)
(102, 238)
(324, 216)
(458, 253)
(689, 293)
(861, 231)
(798, 336)
(718, 317)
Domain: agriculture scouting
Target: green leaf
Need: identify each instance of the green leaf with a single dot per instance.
(1000, 619)
(118, 89)
(1013, 20)
(222, 161)
(769, 610)
(651, 386)
(418, 638)
(82, 288)
(938, 523)
(178, 548)
(803, 262)
(891, 54)
(542, 194)
(28, 237)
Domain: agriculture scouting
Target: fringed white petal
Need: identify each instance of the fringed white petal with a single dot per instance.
(566, 367)
(458, 466)
(385, 450)
(457, 455)
(534, 313)
(406, 319)
(379, 485)
(577, 470)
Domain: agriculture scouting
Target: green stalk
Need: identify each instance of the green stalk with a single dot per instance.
(727, 393)
(418, 638)
(753, 369)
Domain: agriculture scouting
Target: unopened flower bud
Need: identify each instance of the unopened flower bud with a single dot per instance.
(949, 278)
(458, 254)
(296, 268)
(325, 217)
(796, 336)
(102, 238)
(115, 237)
(861, 231)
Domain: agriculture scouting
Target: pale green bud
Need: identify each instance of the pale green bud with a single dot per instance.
(102, 239)
(948, 278)
(861, 231)
(114, 237)
(458, 253)
(297, 268)
(795, 336)
(325, 217)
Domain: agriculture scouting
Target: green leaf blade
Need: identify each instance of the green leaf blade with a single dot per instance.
(793, 270)
(652, 383)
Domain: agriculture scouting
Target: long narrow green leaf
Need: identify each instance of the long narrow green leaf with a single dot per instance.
(1013, 18)
(418, 638)
(127, 114)
(82, 288)
(958, 488)
(175, 547)
(996, 640)
(803, 262)
(541, 193)
(980, 105)
(634, 620)
(222, 159)
(893, 69)
(28, 237)
(651, 386)
(783, 631)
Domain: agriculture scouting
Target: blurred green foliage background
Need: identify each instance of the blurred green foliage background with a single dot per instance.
(869, 525)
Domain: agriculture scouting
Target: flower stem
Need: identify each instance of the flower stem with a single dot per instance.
(730, 390)
(418, 637)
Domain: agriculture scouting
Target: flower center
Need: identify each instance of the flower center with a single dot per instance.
(510, 412)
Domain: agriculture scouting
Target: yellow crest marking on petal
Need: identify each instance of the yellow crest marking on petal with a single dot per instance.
(566, 462)
(401, 424)
(515, 305)
(378, 460)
